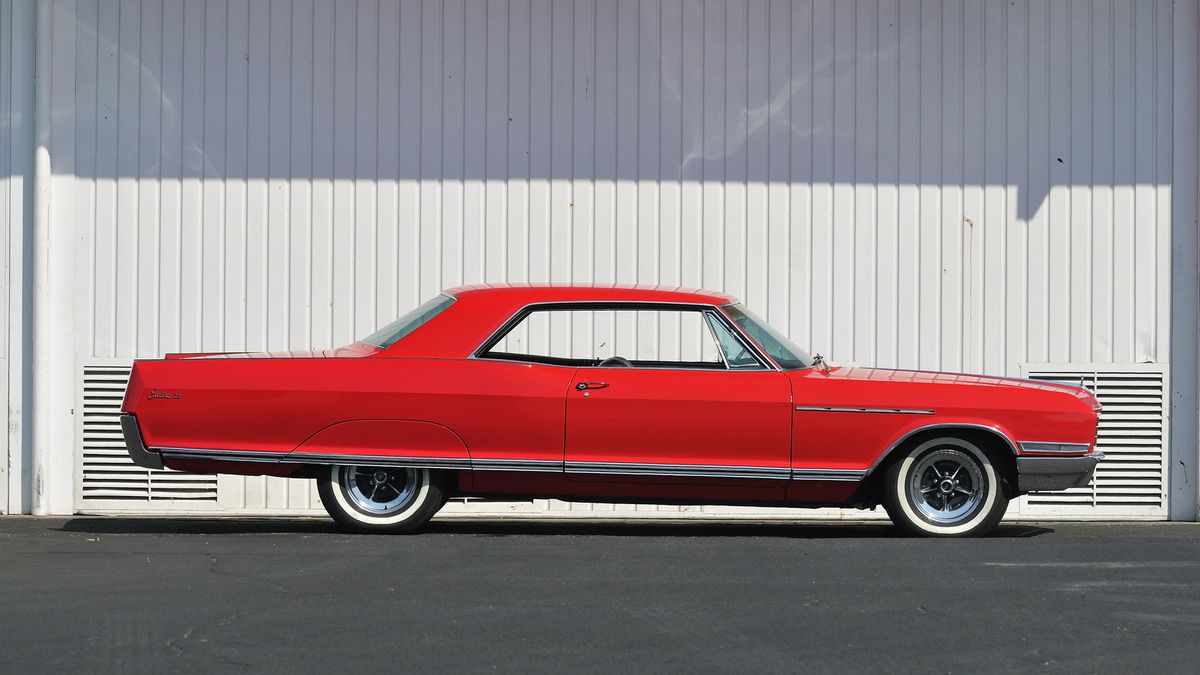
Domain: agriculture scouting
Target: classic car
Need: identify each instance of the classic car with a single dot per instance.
(608, 394)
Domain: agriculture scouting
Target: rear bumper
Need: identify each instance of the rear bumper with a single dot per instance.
(1043, 474)
(138, 452)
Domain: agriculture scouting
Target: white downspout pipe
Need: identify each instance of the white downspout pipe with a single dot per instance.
(40, 384)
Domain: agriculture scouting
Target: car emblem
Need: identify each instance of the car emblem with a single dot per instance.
(159, 393)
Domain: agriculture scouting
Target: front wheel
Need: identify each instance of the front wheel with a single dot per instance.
(380, 499)
(945, 487)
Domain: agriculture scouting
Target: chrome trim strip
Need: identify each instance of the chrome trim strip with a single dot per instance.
(537, 465)
(226, 455)
(680, 470)
(1053, 447)
(314, 458)
(542, 465)
(838, 475)
(896, 411)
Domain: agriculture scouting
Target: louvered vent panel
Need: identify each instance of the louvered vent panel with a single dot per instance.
(109, 477)
(1131, 480)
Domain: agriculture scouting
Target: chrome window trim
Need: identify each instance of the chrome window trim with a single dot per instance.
(712, 334)
(745, 337)
(895, 411)
(599, 305)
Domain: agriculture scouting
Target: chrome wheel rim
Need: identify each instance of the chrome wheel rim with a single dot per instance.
(379, 491)
(946, 487)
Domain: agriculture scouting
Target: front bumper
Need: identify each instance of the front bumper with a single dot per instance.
(138, 452)
(1045, 474)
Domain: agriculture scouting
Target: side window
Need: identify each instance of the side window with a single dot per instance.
(638, 338)
(736, 354)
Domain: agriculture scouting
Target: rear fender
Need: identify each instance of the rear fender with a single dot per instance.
(383, 439)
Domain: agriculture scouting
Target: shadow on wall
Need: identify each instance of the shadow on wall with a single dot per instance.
(1027, 96)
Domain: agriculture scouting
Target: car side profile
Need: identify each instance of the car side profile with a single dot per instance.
(608, 394)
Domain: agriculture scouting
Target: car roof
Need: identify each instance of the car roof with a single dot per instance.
(533, 293)
(479, 310)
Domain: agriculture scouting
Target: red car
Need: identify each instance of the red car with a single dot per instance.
(613, 393)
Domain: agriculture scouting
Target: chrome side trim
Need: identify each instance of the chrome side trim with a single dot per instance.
(224, 455)
(679, 470)
(536, 465)
(543, 465)
(313, 458)
(837, 475)
(1053, 447)
(896, 411)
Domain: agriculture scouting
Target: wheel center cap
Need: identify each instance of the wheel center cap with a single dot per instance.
(379, 477)
(946, 486)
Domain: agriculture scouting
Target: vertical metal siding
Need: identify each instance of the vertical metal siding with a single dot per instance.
(958, 186)
(16, 174)
(909, 184)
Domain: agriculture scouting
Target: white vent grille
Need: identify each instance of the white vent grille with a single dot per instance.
(109, 479)
(1131, 480)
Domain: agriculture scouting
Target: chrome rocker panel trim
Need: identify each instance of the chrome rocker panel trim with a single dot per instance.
(315, 458)
(836, 475)
(681, 470)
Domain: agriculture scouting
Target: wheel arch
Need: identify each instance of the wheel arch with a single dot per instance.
(381, 437)
(999, 446)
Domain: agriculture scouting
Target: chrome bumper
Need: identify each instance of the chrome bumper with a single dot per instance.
(136, 448)
(1044, 474)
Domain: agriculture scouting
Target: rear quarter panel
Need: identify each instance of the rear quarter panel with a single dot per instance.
(496, 409)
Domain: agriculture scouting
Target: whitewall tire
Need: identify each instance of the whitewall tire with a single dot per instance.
(380, 499)
(945, 487)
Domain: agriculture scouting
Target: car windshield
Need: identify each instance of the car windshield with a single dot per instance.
(786, 354)
(395, 331)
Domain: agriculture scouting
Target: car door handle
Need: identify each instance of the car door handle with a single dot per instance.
(591, 385)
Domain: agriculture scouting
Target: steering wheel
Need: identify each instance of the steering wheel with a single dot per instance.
(615, 361)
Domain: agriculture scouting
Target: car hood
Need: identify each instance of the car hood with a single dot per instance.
(958, 380)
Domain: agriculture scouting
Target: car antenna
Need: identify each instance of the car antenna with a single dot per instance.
(819, 360)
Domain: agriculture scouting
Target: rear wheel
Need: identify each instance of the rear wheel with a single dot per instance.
(380, 499)
(945, 487)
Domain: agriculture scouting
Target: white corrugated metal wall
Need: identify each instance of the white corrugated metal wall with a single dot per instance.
(16, 169)
(912, 184)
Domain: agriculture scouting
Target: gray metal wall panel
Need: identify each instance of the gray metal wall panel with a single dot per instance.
(16, 174)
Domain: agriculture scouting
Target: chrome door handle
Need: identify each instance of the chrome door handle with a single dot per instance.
(590, 385)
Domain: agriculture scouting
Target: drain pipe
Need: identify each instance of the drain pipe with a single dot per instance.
(40, 382)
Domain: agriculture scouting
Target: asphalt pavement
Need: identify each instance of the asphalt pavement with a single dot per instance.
(161, 595)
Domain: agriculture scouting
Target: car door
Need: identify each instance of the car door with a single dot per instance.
(665, 415)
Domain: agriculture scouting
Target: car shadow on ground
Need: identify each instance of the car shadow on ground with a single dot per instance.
(503, 527)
